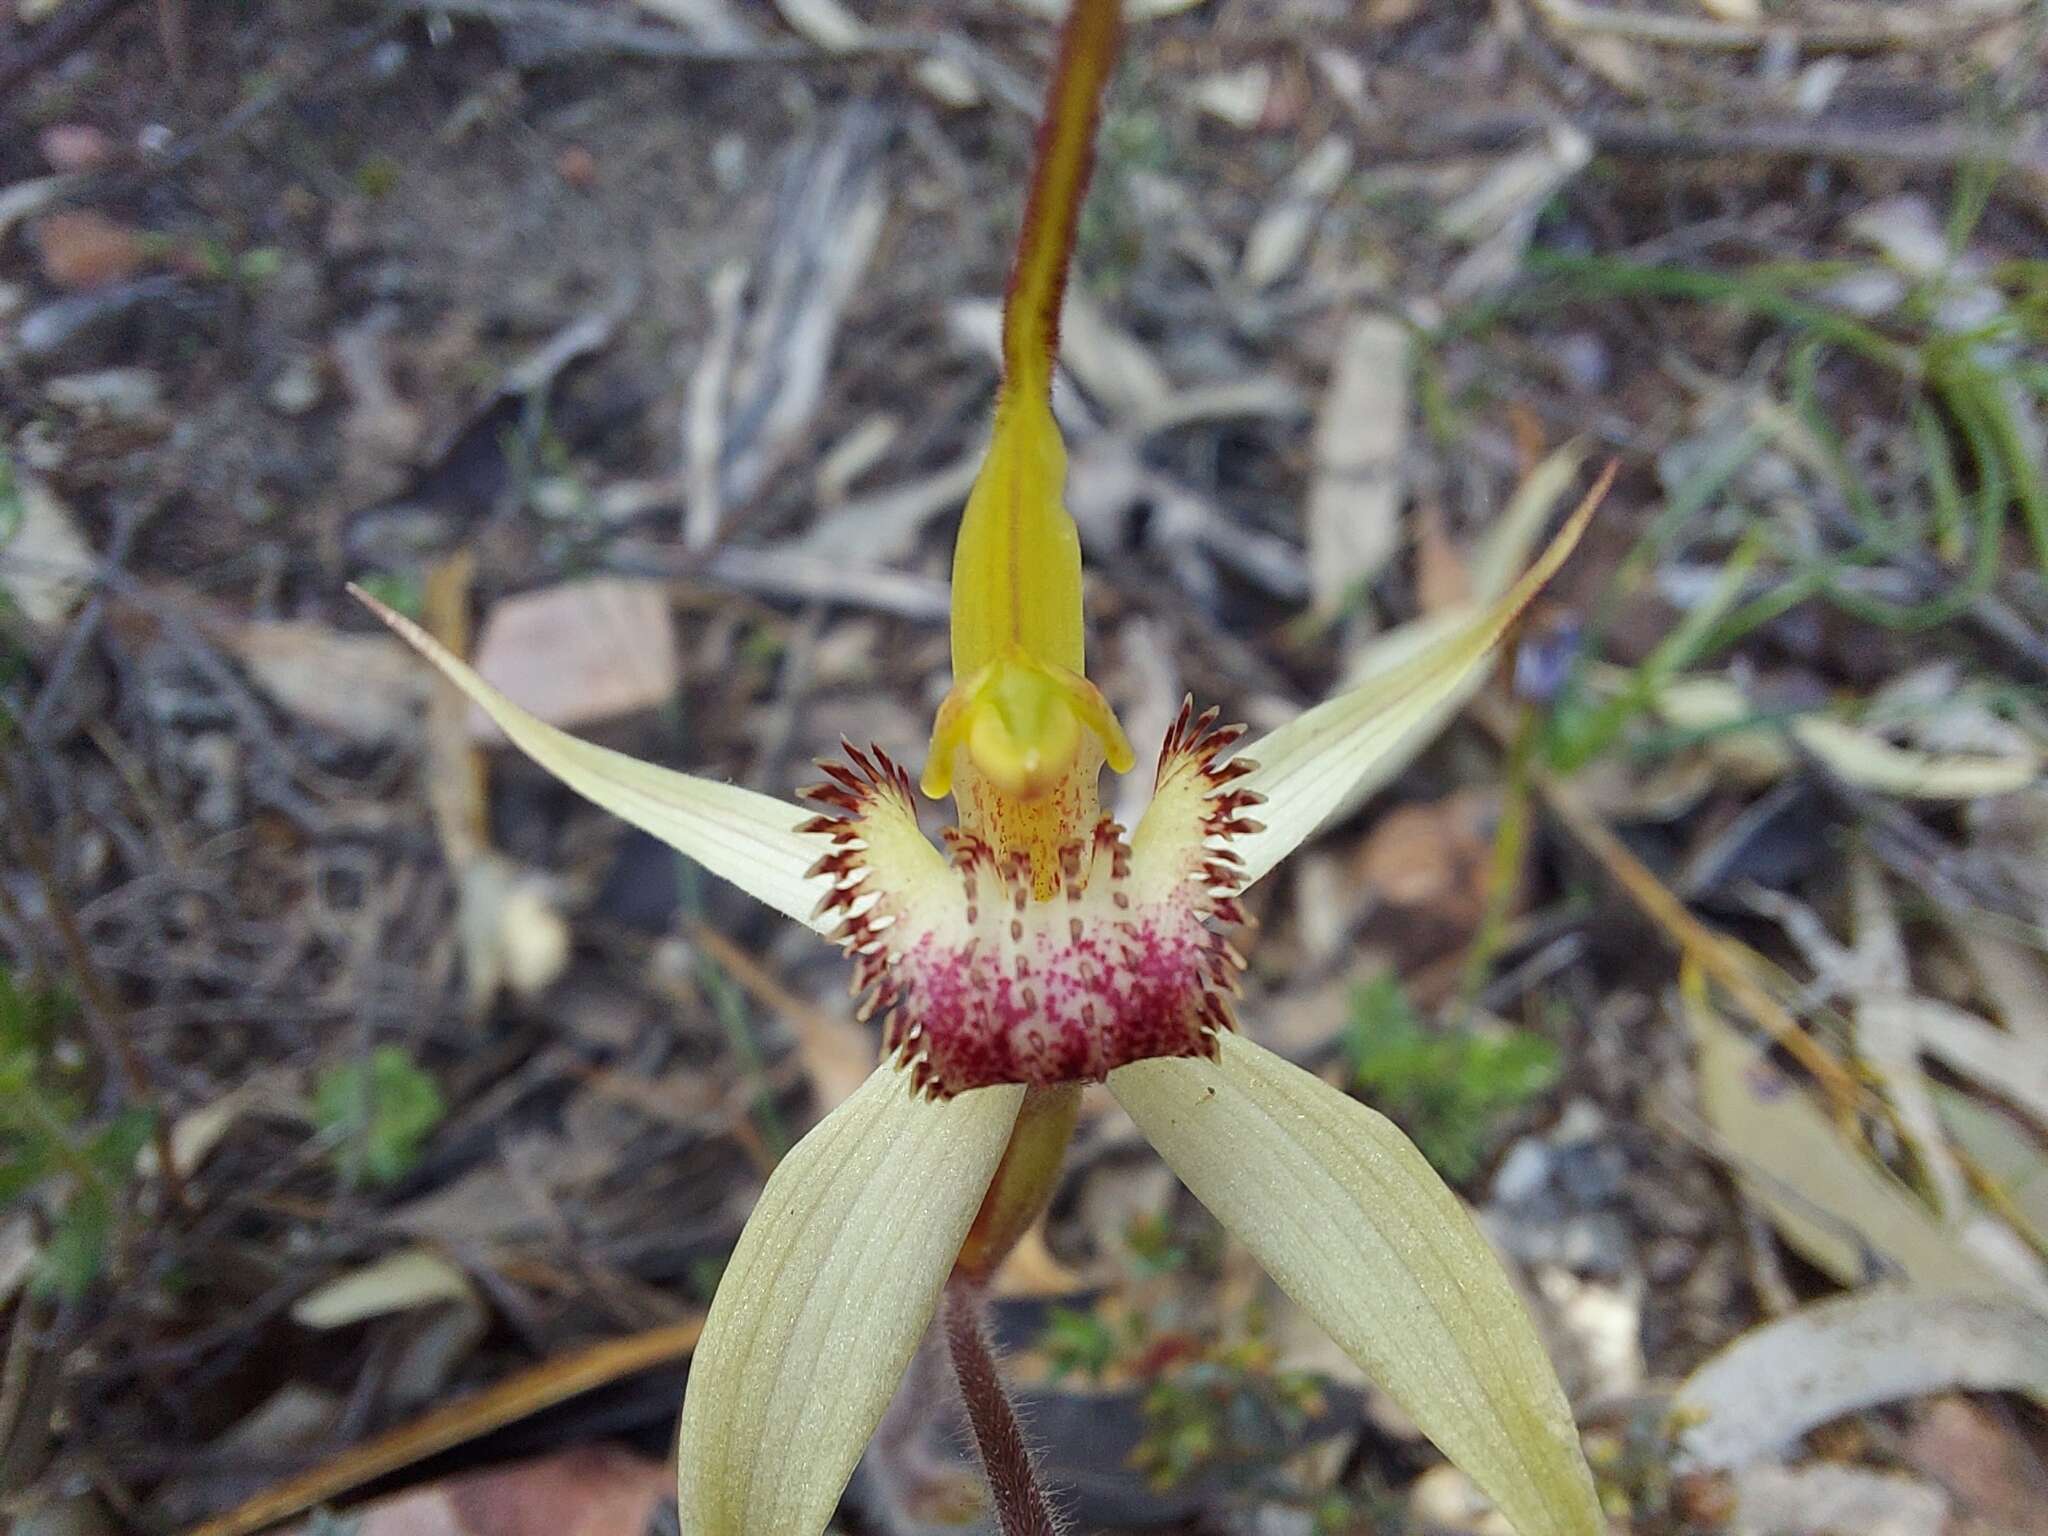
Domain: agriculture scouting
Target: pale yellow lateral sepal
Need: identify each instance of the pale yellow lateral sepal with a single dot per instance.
(737, 834)
(1354, 1225)
(1313, 767)
(828, 1293)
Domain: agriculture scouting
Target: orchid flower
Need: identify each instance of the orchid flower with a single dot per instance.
(1044, 948)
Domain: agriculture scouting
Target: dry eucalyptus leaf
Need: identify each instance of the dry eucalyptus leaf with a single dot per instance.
(1282, 234)
(1853, 1352)
(511, 934)
(1823, 1499)
(398, 1282)
(580, 652)
(593, 1490)
(1354, 501)
(1829, 1200)
(1497, 217)
(1235, 96)
(1870, 762)
(45, 562)
(2002, 1148)
(368, 688)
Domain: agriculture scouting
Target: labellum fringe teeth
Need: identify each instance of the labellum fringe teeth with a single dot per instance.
(980, 984)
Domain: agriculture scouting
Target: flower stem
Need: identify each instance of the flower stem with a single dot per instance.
(1006, 1462)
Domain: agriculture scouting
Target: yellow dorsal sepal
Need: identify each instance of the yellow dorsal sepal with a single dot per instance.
(1023, 731)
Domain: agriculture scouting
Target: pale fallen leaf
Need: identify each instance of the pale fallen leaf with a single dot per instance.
(80, 248)
(1032, 1271)
(2012, 977)
(1109, 362)
(1823, 1499)
(1236, 96)
(1602, 1322)
(832, 26)
(1445, 1499)
(26, 199)
(1874, 979)
(398, 1282)
(1497, 217)
(704, 415)
(2001, 1148)
(1432, 856)
(45, 562)
(853, 455)
(714, 21)
(1354, 500)
(1993, 1058)
(368, 688)
(1856, 753)
(1134, 10)
(1830, 1201)
(512, 936)
(1870, 762)
(19, 1251)
(1716, 707)
(1850, 1353)
(197, 1132)
(1281, 236)
(1937, 708)
(113, 394)
(1442, 577)
(580, 652)
(591, 1490)
(883, 526)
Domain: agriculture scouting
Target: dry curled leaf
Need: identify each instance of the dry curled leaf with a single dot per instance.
(1777, 1382)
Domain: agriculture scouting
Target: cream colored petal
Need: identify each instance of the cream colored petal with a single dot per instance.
(737, 834)
(1351, 1221)
(833, 1283)
(1318, 763)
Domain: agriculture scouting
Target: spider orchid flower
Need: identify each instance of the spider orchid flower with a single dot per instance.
(1044, 948)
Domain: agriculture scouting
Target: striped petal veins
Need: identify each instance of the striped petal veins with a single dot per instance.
(989, 969)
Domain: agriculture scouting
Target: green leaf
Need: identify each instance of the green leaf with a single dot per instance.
(114, 1147)
(77, 1248)
(384, 1110)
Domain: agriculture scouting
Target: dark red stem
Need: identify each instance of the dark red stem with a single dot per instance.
(1006, 1462)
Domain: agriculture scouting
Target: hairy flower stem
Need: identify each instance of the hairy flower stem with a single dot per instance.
(1006, 1462)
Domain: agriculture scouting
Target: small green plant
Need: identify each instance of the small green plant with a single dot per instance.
(1229, 1403)
(46, 1142)
(377, 177)
(379, 1112)
(1447, 1088)
(1211, 1396)
(1079, 1342)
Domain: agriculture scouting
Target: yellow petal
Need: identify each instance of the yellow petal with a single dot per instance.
(1313, 766)
(832, 1285)
(750, 839)
(1354, 1225)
